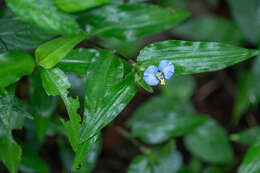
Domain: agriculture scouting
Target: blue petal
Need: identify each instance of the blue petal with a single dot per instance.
(150, 76)
(167, 68)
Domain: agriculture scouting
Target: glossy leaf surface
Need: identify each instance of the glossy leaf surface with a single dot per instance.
(194, 57)
(79, 5)
(56, 83)
(78, 60)
(110, 94)
(131, 21)
(18, 35)
(50, 53)
(209, 142)
(162, 118)
(45, 15)
(13, 66)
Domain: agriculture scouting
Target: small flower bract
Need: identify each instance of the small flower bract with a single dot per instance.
(154, 75)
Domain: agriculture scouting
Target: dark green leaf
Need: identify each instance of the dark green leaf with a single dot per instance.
(45, 15)
(131, 21)
(209, 142)
(248, 91)
(13, 66)
(251, 161)
(31, 162)
(55, 82)
(248, 136)
(79, 5)
(179, 87)
(210, 28)
(194, 57)
(107, 93)
(90, 160)
(19, 35)
(246, 13)
(78, 60)
(10, 153)
(212, 169)
(83, 151)
(168, 160)
(50, 53)
(3, 47)
(42, 105)
(140, 164)
(162, 118)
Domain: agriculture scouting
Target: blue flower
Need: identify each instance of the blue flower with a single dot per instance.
(154, 75)
(150, 75)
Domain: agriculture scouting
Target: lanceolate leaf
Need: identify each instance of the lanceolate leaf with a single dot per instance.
(44, 14)
(209, 142)
(194, 57)
(17, 34)
(107, 93)
(79, 5)
(131, 21)
(50, 53)
(13, 66)
(251, 162)
(56, 83)
(161, 119)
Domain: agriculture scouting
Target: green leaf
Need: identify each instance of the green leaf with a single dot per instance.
(168, 160)
(79, 5)
(248, 93)
(10, 153)
(45, 15)
(18, 35)
(251, 162)
(143, 84)
(3, 47)
(107, 93)
(131, 21)
(56, 83)
(140, 164)
(31, 162)
(50, 53)
(83, 151)
(13, 66)
(194, 57)
(42, 105)
(90, 160)
(212, 169)
(210, 28)
(248, 136)
(179, 87)
(162, 118)
(209, 142)
(78, 60)
(248, 16)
